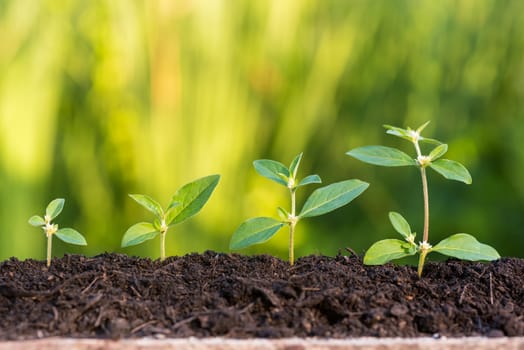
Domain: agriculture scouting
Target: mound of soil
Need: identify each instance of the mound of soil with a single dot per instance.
(212, 294)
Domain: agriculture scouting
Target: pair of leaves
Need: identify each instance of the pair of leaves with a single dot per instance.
(461, 245)
(392, 157)
(321, 201)
(278, 172)
(53, 209)
(186, 202)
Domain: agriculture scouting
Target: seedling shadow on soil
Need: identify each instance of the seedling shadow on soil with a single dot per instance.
(214, 294)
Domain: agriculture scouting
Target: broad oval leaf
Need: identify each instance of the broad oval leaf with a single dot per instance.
(271, 170)
(71, 236)
(438, 152)
(311, 179)
(192, 197)
(36, 221)
(466, 247)
(331, 197)
(254, 231)
(293, 168)
(451, 170)
(149, 203)
(400, 224)
(54, 208)
(382, 155)
(386, 250)
(139, 233)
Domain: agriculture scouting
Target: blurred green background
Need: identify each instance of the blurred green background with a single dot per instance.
(99, 99)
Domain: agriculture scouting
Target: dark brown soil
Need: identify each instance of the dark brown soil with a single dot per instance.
(211, 294)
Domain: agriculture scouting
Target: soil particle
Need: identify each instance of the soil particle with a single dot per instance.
(213, 294)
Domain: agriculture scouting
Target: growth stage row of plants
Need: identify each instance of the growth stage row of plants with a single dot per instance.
(190, 199)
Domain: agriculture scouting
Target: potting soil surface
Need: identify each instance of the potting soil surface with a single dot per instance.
(230, 295)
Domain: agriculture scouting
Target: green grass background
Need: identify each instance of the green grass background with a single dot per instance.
(99, 99)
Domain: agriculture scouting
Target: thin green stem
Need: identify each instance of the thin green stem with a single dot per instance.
(49, 246)
(425, 237)
(292, 225)
(162, 245)
(421, 259)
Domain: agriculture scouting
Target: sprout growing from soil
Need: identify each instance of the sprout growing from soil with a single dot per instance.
(186, 202)
(461, 245)
(67, 235)
(321, 201)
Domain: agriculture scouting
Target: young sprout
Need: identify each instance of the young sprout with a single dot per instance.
(67, 235)
(461, 245)
(186, 202)
(321, 201)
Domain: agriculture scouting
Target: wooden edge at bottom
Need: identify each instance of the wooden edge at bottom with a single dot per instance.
(469, 343)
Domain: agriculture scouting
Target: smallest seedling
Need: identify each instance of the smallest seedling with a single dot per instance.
(67, 235)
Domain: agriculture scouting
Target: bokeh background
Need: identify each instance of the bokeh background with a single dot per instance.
(99, 99)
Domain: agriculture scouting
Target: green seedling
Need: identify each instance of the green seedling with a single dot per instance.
(186, 202)
(461, 245)
(322, 201)
(67, 235)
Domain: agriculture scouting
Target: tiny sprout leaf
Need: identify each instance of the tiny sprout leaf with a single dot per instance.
(284, 215)
(466, 247)
(451, 170)
(192, 197)
(271, 170)
(430, 141)
(149, 203)
(331, 197)
(399, 132)
(311, 179)
(423, 126)
(36, 221)
(139, 233)
(54, 208)
(69, 235)
(386, 250)
(254, 231)
(400, 224)
(293, 168)
(438, 152)
(382, 155)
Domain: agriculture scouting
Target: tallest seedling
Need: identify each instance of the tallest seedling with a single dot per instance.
(460, 245)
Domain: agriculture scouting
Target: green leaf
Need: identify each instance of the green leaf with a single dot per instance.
(293, 168)
(381, 155)
(331, 197)
(311, 179)
(149, 203)
(54, 208)
(69, 235)
(254, 231)
(422, 127)
(399, 132)
(386, 250)
(284, 215)
(430, 141)
(451, 170)
(466, 247)
(400, 224)
(139, 233)
(271, 170)
(36, 221)
(192, 197)
(438, 152)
